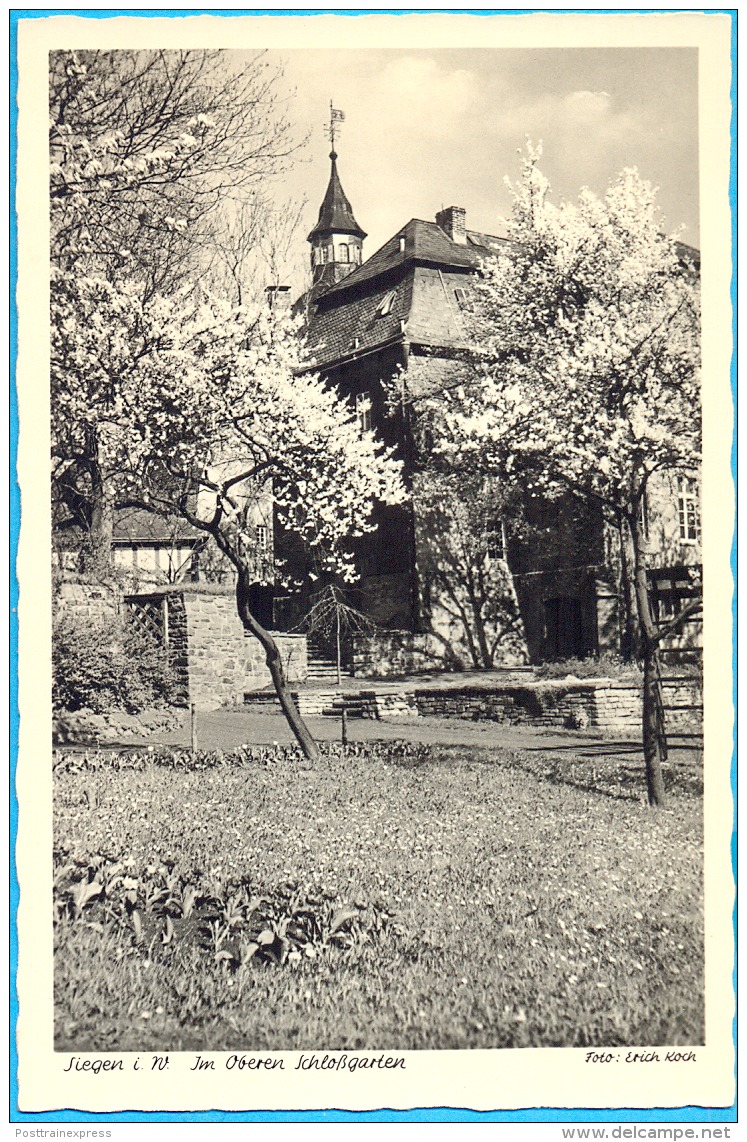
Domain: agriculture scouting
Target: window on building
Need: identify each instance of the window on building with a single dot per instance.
(461, 296)
(263, 537)
(688, 509)
(342, 252)
(495, 540)
(363, 411)
(666, 602)
(385, 305)
(670, 590)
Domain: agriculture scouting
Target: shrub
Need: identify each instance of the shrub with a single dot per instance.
(109, 665)
(595, 666)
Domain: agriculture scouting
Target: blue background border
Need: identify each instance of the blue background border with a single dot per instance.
(432, 1114)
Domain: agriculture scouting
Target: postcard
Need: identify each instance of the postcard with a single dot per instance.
(375, 671)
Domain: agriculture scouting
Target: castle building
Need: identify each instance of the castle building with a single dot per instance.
(477, 579)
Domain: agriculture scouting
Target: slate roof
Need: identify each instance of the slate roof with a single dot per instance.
(335, 213)
(332, 329)
(404, 290)
(421, 268)
(424, 242)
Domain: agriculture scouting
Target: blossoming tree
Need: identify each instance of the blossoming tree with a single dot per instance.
(196, 410)
(145, 146)
(149, 150)
(586, 335)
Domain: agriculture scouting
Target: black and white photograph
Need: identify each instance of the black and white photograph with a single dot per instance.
(372, 559)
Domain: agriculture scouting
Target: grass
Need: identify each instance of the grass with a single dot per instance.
(398, 897)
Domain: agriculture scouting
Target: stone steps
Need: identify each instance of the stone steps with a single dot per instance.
(331, 703)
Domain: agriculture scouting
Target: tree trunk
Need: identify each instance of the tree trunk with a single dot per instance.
(97, 556)
(486, 658)
(98, 553)
(654, 730)
(308, 746)
(102, 529)
(630, 640)
(338, 643)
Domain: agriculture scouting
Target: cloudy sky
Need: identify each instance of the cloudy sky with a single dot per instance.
(426, 129)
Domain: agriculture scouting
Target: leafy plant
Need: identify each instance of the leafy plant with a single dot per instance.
(393, 752)
(233, 924)
(109, 665)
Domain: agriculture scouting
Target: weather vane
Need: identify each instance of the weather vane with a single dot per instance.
(335, 117)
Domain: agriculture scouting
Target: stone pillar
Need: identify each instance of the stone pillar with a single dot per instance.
(223, 662)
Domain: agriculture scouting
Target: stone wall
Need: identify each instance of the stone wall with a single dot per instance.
(597, 704)
(223, 663)
(207, 643)
(91, 602)
(602, 704)
(392, 654)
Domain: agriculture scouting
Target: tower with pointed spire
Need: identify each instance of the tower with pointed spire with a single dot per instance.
(337, 239)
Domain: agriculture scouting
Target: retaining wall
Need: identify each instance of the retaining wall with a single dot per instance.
(392, 654)
(598, 703)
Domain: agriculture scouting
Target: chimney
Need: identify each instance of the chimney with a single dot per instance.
(278, 297)
(453, 222)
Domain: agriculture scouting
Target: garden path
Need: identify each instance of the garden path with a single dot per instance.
(227, 729)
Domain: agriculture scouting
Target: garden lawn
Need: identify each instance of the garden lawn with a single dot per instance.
(394, 898)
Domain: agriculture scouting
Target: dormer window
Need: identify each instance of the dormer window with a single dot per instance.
(385, 305)
(461, 296)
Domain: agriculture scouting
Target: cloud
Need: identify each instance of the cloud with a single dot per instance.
(585, 136)
(567, 114)
(415, 89)
(587, 107)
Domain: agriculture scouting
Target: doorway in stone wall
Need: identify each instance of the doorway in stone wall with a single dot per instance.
(261, 604)
(563, 629)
